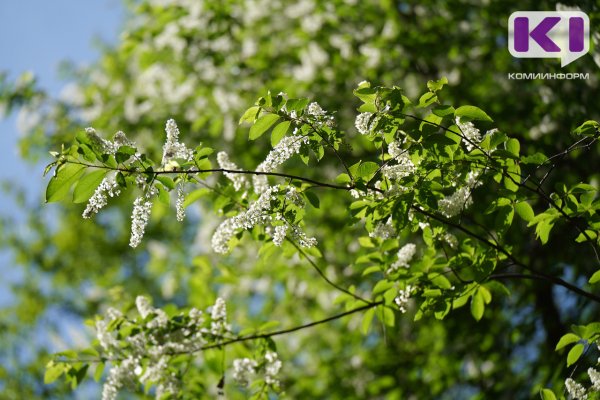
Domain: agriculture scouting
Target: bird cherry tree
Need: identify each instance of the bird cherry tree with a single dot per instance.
(438, 204)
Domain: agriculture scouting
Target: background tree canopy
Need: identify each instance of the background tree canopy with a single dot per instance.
(203, 64)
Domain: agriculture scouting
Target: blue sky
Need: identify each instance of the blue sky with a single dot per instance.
(36, 36)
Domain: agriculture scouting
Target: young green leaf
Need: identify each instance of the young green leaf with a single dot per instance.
(262, 124)
(59, 185)
(574, 354)
(524, 211)
(566, 340)
(547, 394)
(87, 185)
(477, 305)
(472, 113)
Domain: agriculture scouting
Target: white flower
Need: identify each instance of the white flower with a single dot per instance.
(118, 376)
(403, 167)
(471, 135)
(239, 180)
(402, 299)
(286, 148)
(108, 187)
(140, 217)
(365, 122)
(451, 240)
(452, 205)
(315, 110)
(383, 231)
(301, 238)
(179, 203)
(405, 254)
(143, 306)
(106, 339)
(243, 369)
(218, 324)
(595, 378)
(105, 146)
(272, 367)
(172, 148)
(155, 371)
(576, 390)
(257, 213)
(279, 234)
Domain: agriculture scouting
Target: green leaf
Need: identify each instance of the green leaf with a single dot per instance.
(574, 354)
(53, 372)
(513, 147)
(477, 305)
(279, 132)
(543, 229)
(547, 394)
(443, 111)
(313, 199)
(472, 113)
(124, 153)
(98, 372)
(427, 99)
(382, 286)
(366, 170)
(195, 195)
(596, 277)
(524, 211)
(61, 183)
(440, 280)
(297, 105)
(536, 159)
(588, 128)
(87, 185)
(262, 124)
(435, 86)
(566, 340)
(250, 115)
(165, 180)
(367, 319)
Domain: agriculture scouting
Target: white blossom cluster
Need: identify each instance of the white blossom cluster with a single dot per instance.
(279, 234)
(383, 230)
(107, 146)
(318, 116)
(293, 197)
(301, 237)
(257, 213)
(405, 255)
(218, 324)
(286, 148)
(594, 375)
(107, 188)
(452, 205)
(403, 297)
(403, 167)
(155, 344)
(272, 367)
(243, 370)
(172, 149)
(142, 206)
(575, 390)
(179, 203)
(365, 122)
(119, 376)
(239, 180)
(471, 135)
